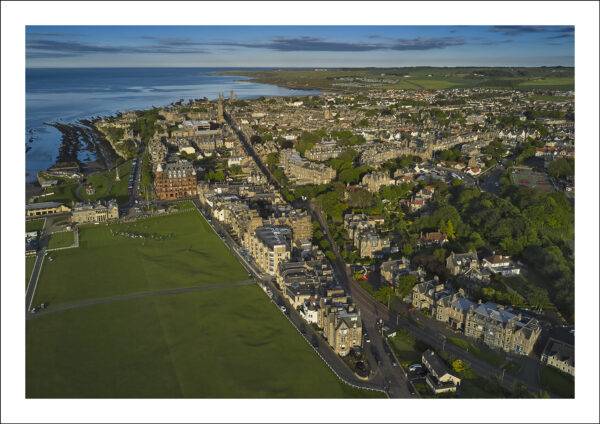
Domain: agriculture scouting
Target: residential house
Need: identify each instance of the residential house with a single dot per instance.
(461, 263)
(502, 265)
(439, 379)
(560, 355)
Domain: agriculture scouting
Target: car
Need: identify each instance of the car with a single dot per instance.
(283, 309)
(44, 305)
(410, 387)
(34, 310)
(367, 338)
(415, 367)
(315, 341)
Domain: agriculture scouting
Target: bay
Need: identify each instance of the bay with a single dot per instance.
(69, 95)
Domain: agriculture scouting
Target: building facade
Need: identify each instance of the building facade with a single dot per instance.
(95, 212)
(176, 181)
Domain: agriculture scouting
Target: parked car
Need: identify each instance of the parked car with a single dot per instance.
(283, 309)
(34, 310)
(366, 336)
(44, 305)
(415, 367)
(315, 341)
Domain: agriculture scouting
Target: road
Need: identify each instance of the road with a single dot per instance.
(134, 192)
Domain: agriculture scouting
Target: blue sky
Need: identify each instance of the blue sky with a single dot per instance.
(298, 46)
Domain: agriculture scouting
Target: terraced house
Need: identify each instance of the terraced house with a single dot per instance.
(499, 328)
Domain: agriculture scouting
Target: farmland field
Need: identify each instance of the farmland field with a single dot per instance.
(222, 341)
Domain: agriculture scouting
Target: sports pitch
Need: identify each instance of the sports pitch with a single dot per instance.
(225, 340)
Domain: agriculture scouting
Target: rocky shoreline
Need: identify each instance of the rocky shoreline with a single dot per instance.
(80, 137)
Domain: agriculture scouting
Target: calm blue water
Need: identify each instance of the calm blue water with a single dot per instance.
(69, 95)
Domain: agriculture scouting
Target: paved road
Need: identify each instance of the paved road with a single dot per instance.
(138, 295)
(33, 280)
(39, 260)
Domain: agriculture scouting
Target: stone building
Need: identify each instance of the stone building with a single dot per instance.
(375, 180)
(560, 355)
(302, 171)
(370, 244)
(176, 181)
(392, 269)
(325, 150)
(453, 309)
(95, 212)
(269, 246)
(343, 331)
(461, 263)
(299, 222)
(499, 328)
(44, 208)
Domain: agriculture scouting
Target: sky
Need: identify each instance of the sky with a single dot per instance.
(298, 46)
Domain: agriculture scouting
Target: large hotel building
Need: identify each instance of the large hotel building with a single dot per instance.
(177, 180)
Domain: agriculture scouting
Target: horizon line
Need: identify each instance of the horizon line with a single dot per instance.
(297, 67)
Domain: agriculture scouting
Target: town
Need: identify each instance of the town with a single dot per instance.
(421, 241)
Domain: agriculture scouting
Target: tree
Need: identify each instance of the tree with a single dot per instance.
(405, 284)
(448, 229)
(458, 365)
(562, 168)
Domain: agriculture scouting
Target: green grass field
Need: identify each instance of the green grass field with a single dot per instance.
(34, 225)
(405, 349)
(61, 239)
(106, 264)
(29, 263)
(557, 382)
(107, 187)
(412, 78)
(481, 352)
(220, 342)
(63, 193)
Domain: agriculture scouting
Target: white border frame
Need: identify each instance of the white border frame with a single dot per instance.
(584, 15)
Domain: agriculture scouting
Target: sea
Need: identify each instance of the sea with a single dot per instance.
(69, 95)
